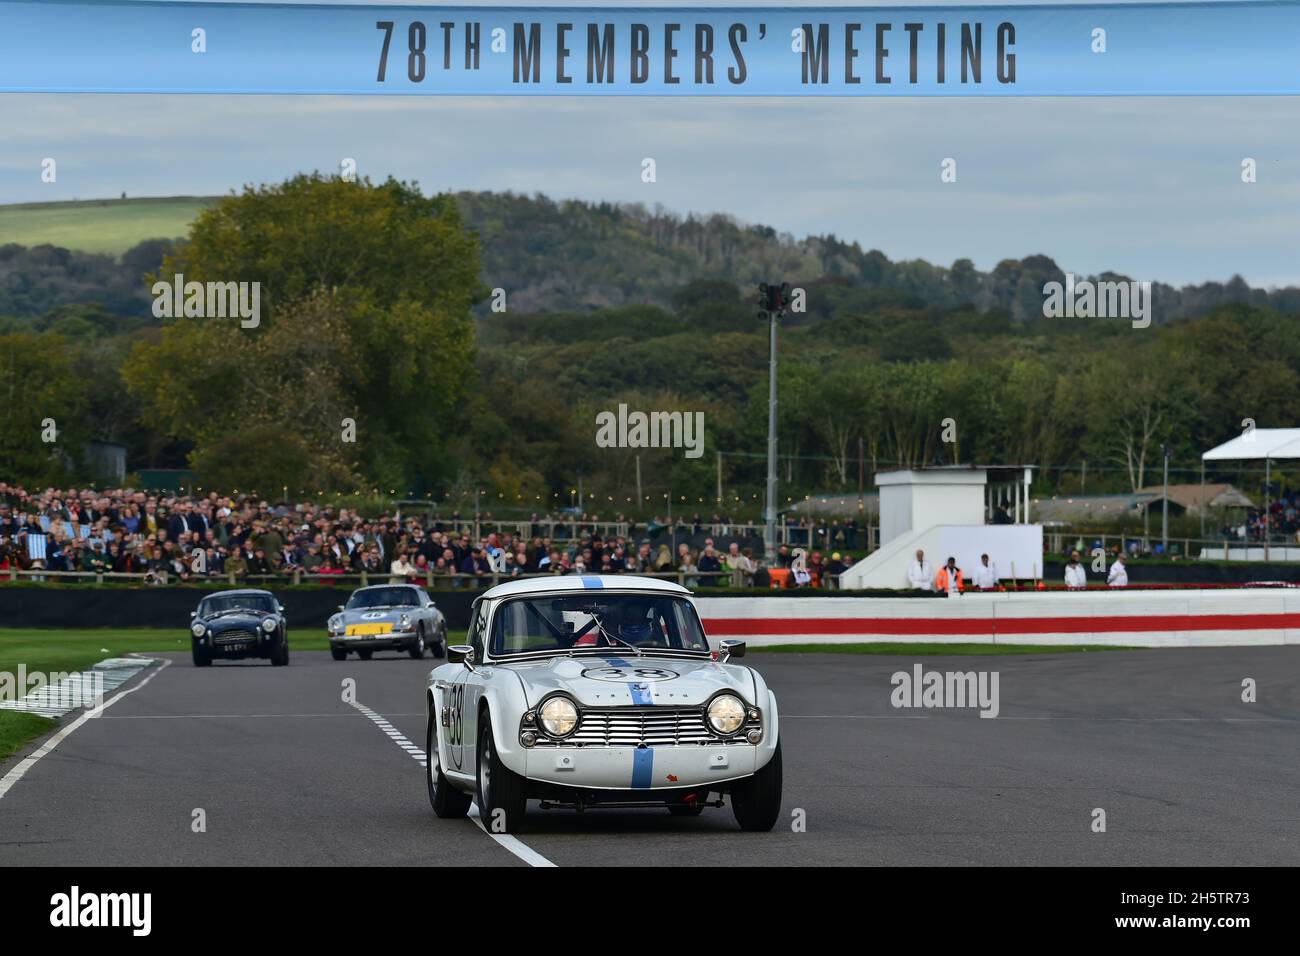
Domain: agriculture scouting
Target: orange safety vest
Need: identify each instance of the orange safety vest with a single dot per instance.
(941, 579)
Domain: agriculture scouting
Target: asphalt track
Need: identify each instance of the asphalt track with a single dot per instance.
(286, 773)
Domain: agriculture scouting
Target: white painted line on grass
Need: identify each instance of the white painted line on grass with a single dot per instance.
(504, 840)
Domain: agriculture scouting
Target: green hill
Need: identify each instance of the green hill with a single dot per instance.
(99, 225)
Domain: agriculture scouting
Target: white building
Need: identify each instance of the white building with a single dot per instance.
(951, 511)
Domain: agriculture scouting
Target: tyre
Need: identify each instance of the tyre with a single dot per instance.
(756, 801)
(338, 653)
(416, 650)
(500, 794)
(448, 803)
(365, 655)
(201, 657)
(280, 655)
(439, 648)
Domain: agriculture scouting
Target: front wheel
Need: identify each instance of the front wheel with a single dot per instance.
(448, 803)
(338, 653)
(440, 644)
(280, 656)
(416, 650)
(201, 657)
(500, 795)
(756, 800)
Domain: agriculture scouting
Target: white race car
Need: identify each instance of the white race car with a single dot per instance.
(598, 691)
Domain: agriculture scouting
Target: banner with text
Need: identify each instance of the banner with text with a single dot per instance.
(121, 46)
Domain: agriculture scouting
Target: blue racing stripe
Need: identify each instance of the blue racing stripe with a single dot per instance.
(643, 762)
(640, 691)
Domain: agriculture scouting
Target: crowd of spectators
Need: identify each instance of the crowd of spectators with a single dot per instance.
(1283, 517)
(182, 538)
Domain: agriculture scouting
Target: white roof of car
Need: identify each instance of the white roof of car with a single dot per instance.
(583, 582)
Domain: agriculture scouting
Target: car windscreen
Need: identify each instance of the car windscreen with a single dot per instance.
(570, 621)
(383, 597)
(236, 602)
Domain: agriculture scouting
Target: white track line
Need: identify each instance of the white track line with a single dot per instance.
(17, 773)
(505, 840)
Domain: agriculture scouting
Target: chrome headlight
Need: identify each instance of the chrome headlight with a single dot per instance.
(405, 623)
(559, 717)
(268, 625)
(198, 630)
(335, 625)
(726, 714)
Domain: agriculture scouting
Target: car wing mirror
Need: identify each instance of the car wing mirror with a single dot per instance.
(461, 654)
(194, 614)
(429, 605)
(340, 607)
(732, 649)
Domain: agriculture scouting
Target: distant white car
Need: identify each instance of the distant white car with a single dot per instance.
(598, 691)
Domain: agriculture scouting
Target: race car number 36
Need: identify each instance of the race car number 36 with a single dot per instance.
(620, 674)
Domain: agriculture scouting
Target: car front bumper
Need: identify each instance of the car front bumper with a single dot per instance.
(393, 640)
(643, 769)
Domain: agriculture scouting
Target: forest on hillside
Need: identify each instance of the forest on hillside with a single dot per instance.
(605, 304)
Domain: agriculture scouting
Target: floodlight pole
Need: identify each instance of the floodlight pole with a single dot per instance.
(769, 516)
(1164, 503)
(1268, 505)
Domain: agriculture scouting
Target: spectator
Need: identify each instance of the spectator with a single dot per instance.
(740, 566)
(1076, 578)
(236, 565)
(948, 580)
(1118, 576)
(834, 568)
(260, 563)
(986, 575)
(709, 565)
(920, 575)
(400, 569)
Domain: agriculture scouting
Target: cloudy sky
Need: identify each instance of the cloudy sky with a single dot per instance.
(1148, 187)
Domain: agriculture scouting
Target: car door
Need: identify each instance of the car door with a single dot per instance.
(428, 614)
(464, 692)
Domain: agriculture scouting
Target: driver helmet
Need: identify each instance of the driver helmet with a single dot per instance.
(633, 624)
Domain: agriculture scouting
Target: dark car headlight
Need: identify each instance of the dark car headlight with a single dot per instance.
(198, 630)
(268, 625)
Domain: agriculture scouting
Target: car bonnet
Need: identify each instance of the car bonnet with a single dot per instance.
(626, 679)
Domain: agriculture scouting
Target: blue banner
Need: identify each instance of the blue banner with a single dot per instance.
(120, 46)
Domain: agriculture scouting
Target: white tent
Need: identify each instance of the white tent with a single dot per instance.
(1258, 444)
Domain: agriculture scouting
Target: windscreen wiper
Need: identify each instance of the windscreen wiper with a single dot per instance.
(611, 638)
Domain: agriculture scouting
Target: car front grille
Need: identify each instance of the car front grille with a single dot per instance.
(653, 727)
(234, 637)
